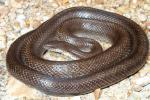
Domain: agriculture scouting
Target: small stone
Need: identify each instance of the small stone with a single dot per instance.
(45, 18)
(148, 26)
(65, 1)
(35, 23)
(88, 1)
(89, 96)
(38, 14)
(27, 23)
(145, 95)
(108, 97)
(14, 86)
(11, 36)
(38, 3)
(75, 98)
(16, 26)
(81, 4)
(2, 42)
(2, 2)
(97, 94)
(143, 81)
(55, 5)
(122, 9)
(12, 15)
(52, 0)
(21, 19)
(48, 15)
(59, 9)
(16, 3)
(142, 17)
(99, 1)
(3, 11)
(2, 32)
(127, 15)
(2, 57)
(134, 96)
(146, 7)
(134, 1)
(20, 11)
(25, 30)
(145, 70)
(137, 88)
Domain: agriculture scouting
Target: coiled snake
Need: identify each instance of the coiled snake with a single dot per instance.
(70, 31)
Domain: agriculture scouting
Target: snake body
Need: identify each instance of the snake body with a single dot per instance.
(70, 30)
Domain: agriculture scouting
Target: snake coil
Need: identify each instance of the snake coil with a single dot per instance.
(78, 30)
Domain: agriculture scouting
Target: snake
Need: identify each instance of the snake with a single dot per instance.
(80, 32)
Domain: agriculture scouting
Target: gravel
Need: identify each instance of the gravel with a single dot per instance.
(20, 16)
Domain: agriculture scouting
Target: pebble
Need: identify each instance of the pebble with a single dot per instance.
(148, 24)
(17, 85)
(75, 98)
(65, 1)
(134, 96)
(1, 58)
(148, 61)
(27, 23)
(89, 96)
(35, 23)
(97, 93)
(142, 17)
(45, 18)
(145, 94)
(2, 33)
(137, 88)
(146, 7)
(25, 30)
(21, 20)
(11, 36)
(55, 5)
(143, 81)
(51, 1)
(89, 1)
(19, 11)
(16, 3)
(99, 1)
(2, 2)
(2, 42)
(4, 10)
(122, 9)
(145, 70)
(20, 17)
(127, 15)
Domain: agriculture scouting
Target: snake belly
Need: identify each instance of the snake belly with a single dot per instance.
(94, 67)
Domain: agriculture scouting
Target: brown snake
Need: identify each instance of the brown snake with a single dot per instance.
(70, 31)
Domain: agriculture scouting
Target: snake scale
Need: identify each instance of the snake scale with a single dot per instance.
(70, 31)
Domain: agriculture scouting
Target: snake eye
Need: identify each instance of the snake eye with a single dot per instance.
(45, 52)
